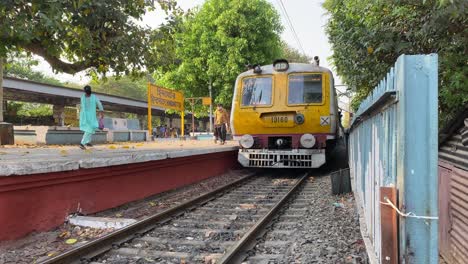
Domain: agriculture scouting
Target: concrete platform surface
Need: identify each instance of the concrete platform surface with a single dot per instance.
(27, 160)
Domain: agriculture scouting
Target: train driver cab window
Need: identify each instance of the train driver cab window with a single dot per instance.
(256, 91)
(305, 89)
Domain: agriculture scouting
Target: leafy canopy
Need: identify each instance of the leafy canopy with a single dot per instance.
(124, 86)
(293, 55)
(74, 35)
(367, 37)
(19, 65)
(218, 40)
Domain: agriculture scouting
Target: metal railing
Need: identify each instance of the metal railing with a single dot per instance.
(393, 143)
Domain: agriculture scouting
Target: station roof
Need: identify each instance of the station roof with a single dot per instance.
(16, 89)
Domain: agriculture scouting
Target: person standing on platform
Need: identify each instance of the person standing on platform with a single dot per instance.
(154, 133)
(162, 131)
(221, 124)
(88, 121)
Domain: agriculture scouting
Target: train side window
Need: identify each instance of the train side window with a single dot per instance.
(305, 89)
(256, 91)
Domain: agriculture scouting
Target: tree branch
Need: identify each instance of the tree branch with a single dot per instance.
(56, 63)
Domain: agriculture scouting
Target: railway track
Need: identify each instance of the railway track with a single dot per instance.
(277, 241)
(222, 226)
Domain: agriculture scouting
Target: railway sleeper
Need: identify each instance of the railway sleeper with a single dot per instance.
(156, 240)
(154, 255)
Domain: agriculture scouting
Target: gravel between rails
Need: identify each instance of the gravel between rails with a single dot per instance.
(313, 230)
(36, 247)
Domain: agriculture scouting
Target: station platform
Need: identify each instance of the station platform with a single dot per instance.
(26, 160)
(40, 186)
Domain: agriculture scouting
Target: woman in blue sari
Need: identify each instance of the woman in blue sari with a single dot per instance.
(88, 120)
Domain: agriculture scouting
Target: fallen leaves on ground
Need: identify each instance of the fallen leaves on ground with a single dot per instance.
(65, 234)
(153, 203)
(71, 241)
(63, 152)
(91, 233)
(112, 147)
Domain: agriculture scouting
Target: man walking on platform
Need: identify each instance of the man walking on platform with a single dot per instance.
(221, 123)
(88, 120)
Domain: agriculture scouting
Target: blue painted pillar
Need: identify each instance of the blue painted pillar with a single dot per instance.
(417, 127)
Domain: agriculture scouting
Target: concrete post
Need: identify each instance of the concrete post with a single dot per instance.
(143, 121)
(2, 60)
(6, 129)
(59, 114)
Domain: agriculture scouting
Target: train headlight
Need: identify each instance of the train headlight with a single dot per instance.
(281, 65)
(307, 140)
(246, 141)
(279, 142)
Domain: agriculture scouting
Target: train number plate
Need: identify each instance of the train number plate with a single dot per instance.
(278, 120)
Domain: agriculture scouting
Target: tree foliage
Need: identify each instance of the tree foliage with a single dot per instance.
(368, 36)
(293, 55)
(124, 86)
(74, 35)
(20, 66)
(217, 41)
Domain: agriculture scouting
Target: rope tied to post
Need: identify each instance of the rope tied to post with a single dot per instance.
(410, 214)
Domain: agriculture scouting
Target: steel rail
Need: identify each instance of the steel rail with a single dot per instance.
(236, 254)
(84, 253)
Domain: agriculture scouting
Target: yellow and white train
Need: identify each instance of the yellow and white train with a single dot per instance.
(285, 115)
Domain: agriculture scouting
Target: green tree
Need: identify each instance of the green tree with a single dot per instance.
(20, 66)
(163, 51)
(124, 86)
(75, 35)
(293, 55)
(368, 36)
(218, 40)
(35, 110)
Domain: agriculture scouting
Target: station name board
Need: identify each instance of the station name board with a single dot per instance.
(165, 98)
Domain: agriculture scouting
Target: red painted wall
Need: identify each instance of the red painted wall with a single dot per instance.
(41, 202)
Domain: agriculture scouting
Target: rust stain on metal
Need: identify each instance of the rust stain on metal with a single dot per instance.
(444, 211)
(389, 226)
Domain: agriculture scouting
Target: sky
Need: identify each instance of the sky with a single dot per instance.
(307, 16)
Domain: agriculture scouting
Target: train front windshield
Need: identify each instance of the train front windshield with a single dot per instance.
(256, 91)
(305, 89)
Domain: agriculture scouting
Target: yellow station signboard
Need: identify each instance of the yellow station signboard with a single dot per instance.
(165, 98)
